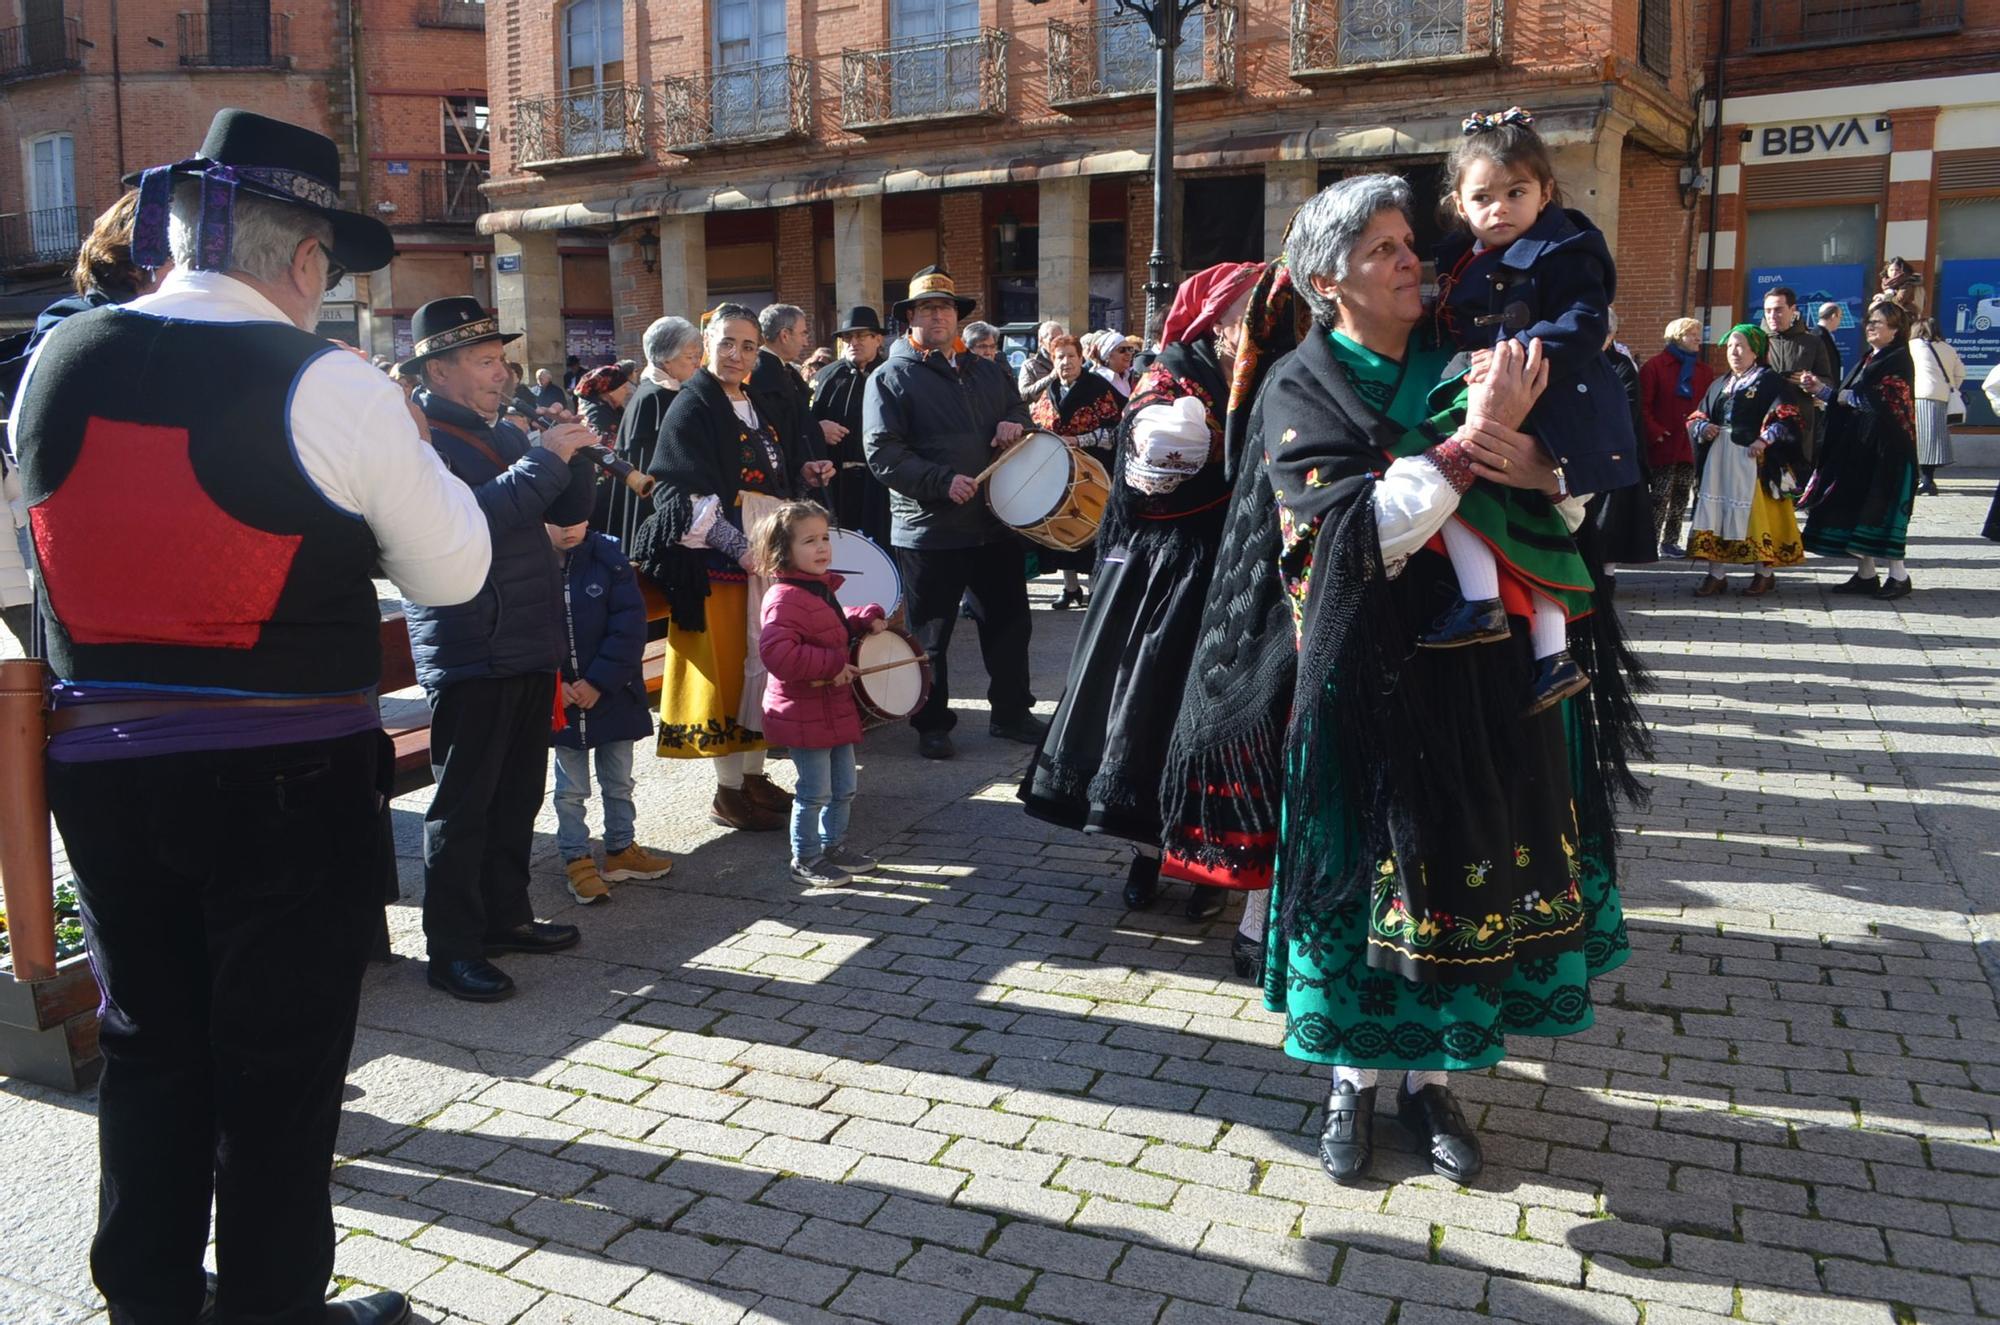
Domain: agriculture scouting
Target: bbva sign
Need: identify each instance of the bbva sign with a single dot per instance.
(1820, 138)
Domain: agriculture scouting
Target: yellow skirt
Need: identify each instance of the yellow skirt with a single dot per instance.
(701, 692)
(1771, 540)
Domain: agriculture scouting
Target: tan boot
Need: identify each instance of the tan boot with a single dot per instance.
(635, 862)
(766, 794)
(733, 808)
(585, 884)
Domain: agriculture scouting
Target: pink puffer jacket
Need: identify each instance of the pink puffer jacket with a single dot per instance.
(805, 638)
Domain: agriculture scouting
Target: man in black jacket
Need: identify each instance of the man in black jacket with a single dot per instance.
(860, 502)
(935, 416)
(783, 327)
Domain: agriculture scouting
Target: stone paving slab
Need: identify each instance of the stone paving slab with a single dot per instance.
(972, 1088)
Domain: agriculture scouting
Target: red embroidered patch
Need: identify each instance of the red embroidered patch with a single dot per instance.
(134, 552)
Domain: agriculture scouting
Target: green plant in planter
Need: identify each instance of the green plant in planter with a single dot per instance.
(69, 925)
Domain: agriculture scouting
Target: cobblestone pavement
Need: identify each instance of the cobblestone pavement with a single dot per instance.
(973, 1088)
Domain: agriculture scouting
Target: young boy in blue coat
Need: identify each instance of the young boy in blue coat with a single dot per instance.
(604, 707)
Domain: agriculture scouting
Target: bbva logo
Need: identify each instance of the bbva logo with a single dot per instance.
(1799, 139)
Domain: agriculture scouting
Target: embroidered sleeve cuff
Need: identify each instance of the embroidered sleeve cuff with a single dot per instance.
(1453, 459)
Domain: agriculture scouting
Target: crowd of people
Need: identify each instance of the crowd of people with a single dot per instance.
(1348, 649)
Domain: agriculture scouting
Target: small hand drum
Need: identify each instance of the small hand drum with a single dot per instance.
(1049, 491)
(903, 683)
(869, 571)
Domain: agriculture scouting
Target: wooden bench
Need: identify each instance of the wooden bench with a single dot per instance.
(411, 729)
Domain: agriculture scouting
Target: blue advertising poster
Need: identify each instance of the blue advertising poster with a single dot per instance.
(1845, 284)
(1968, 313)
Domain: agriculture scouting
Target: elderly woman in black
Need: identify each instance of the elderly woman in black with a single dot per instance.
(1868, 467)
(720, 462)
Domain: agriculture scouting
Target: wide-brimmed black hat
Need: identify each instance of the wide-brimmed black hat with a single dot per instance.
(272, 159)
(861, 318)
(450, 324)
(932, 283)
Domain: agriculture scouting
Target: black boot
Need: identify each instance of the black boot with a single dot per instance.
(1557, 677)
(1205, 901)
(1481, 621)
(1247, 954)
(1858, 585)
(1142, 882)
(1347, 1142)
(1432, 1116)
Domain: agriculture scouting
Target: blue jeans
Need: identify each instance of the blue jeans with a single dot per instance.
(614, 779)
(821, 801)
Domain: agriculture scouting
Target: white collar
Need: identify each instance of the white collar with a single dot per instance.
(220, 296)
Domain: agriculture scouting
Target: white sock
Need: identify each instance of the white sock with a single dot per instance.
(1864, 567)
(1709, 566)
(1897, 571)
(1472, 562)
(1416, 1081)
(753, 762)
(1548, 630)
(729, 772)
(1070, 584)
(1256, 910)
(1361, 1077)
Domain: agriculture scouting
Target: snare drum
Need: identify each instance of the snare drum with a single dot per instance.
(869, 572)
(1050, 491)
(893, 693)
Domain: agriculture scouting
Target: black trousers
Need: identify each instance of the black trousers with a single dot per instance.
(490, 757)
(934, 580)
(228, 899)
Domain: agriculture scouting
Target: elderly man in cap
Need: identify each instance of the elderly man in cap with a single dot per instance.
(216, 762)
(935, 415)
(859, 500)
(489, 666)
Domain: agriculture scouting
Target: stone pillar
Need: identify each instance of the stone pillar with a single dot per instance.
(1590, 171)
(527, 288)
(635, 293)
(683, 267)
(1062, 276)
(1287, 184)
(857, 253)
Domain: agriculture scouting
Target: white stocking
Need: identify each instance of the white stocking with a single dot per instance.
(1472, 562)
(729, 772)
(753, 762)
(1256, 909)
(1864, 567)
(1361, 1077)
(1416, 1081)
(1897, 570)
(1548, 629)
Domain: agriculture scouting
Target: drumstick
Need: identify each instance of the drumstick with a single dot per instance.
(880, 667)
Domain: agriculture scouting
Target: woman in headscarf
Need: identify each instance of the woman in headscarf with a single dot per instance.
(720, 464)
(1746, 439)
(1099, 768)
(601, 394)
(1083, 409)
(1867, 479)
(1671, 384)
(1442, 856)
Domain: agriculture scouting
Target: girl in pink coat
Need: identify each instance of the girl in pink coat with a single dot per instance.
(804, 642)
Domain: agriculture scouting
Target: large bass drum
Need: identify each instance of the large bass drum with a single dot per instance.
(868, 571)
(1050, 491)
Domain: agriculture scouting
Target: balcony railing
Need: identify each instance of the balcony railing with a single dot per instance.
(231, 40)
(1343, 36)
(746, 103)
(1109, 58)
(937, 78)
(587, 124)
(47, 46)
(452, 14)
(452, 196)
(47, 238)
(1787, 25)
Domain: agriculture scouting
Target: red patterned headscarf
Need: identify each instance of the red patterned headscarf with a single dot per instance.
(1203, 297)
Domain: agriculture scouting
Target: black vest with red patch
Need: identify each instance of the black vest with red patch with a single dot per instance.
(180, 542)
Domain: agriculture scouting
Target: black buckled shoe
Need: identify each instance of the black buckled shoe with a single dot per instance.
(536, 936)
(374, 1309)
(1557, 677)
(1858, 585)
(1347, 1142)
(1477, 621)
(1027, 729)
(1247, 955)
(1142, 882)
(935, 745)
(475, 980)
(1432, 1116)
(1894, 588)
(1205, 901)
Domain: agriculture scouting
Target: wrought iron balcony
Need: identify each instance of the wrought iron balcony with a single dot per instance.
(1346, 36)
(46, 46)
(1111, 58)
(588, 124)
(960, 77)
(230, 39)
(452, 196)
(768, 101)
(1789, 25)
(47, 238)
(452, 14)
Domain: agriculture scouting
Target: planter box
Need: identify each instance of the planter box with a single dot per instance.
(48, 1030)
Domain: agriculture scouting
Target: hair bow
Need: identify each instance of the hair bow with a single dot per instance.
(1480, 122)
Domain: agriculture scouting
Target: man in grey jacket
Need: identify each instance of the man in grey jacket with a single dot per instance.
(934, 417)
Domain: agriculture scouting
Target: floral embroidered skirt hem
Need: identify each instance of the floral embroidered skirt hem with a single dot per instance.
(701, 692)
(1772, 538)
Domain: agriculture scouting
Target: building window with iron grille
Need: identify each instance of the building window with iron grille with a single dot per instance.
(593, 36)
(1656, 37)
(52, 227)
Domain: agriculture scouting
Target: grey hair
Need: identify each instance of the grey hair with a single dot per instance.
(777, 319)
(978, 331)
(1330, 224)
(1826, 308)
(667, 337)
(266, 236)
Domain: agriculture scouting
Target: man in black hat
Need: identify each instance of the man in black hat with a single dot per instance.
(859, 500)
(935, 415)
(489, 666)
(211, 488)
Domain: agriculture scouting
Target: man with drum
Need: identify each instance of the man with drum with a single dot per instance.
(935, 417)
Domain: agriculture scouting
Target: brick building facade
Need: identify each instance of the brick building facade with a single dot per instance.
(818, 154)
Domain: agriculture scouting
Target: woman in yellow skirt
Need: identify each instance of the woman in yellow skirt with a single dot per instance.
(722, 459)
(1750, 462)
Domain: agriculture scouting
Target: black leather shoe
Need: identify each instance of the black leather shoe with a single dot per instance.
(1142, 882)
(1858, 585)
(1894, 588)
(1247, 955)
(1347, 1142)
(534, 937)
(1432, 1116)
(1480, 621)
(935, 745)
(1027, 729)
(375, 1309)
(475, 980)
(1205, 901)
(1557, 677)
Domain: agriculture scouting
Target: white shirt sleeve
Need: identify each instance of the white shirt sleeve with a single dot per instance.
(356, 442)
(1412, 502)
(706, 511)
